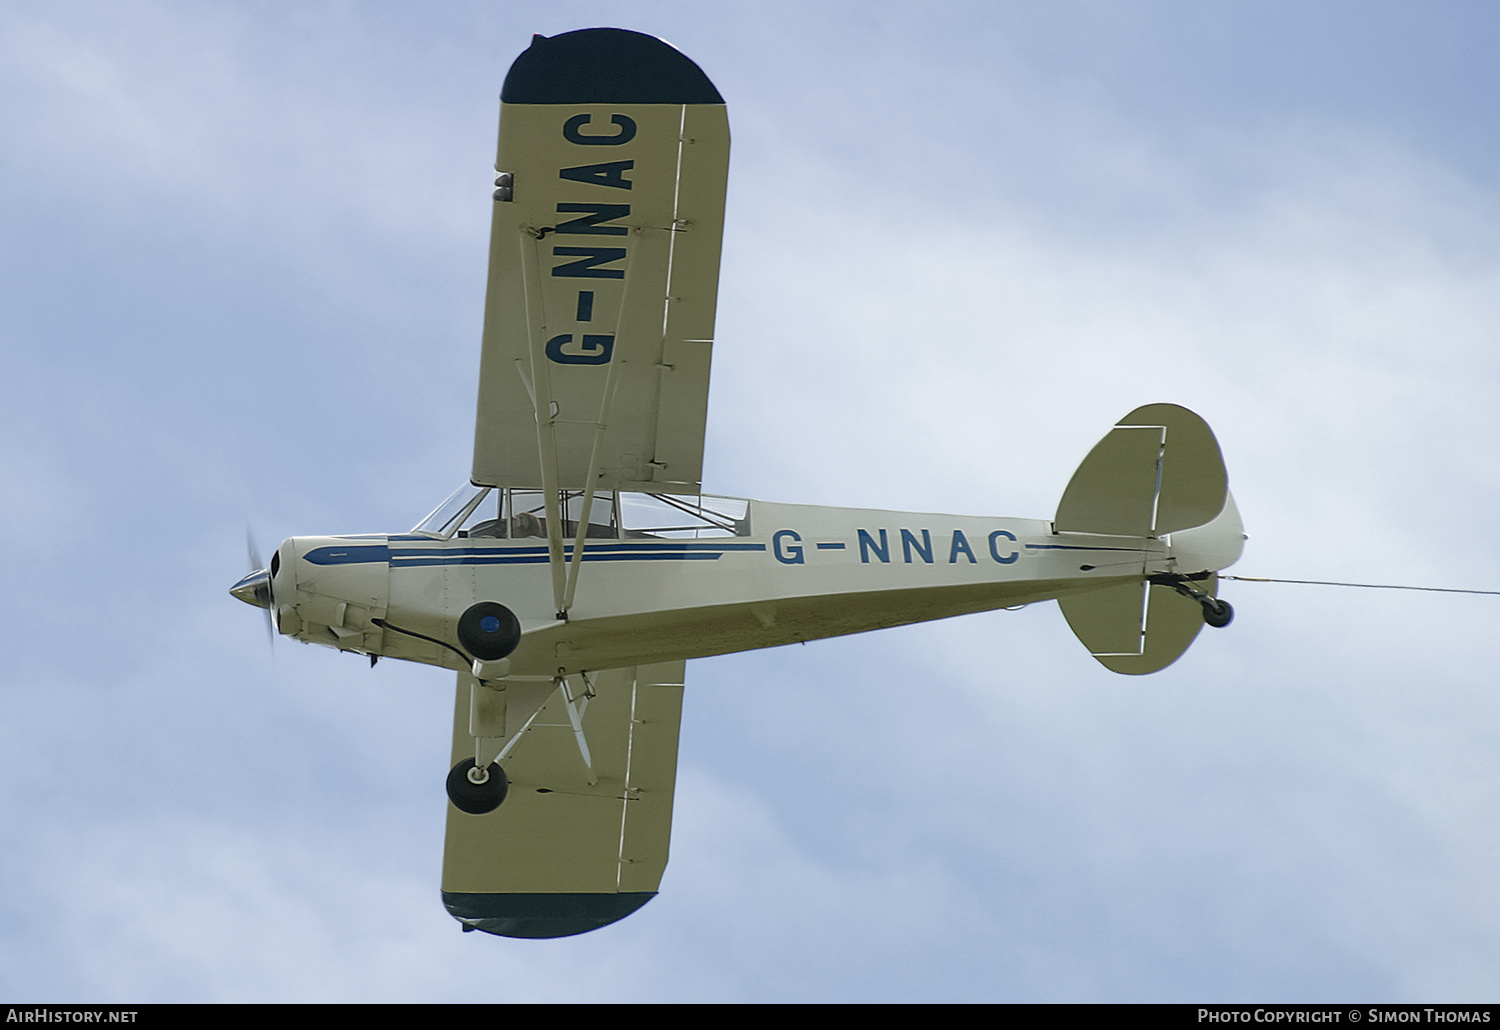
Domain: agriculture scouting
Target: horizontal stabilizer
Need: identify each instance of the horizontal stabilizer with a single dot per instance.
(1159, 470)
(1136, 628)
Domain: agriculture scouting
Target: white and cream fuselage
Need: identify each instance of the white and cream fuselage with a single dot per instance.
(786, 573)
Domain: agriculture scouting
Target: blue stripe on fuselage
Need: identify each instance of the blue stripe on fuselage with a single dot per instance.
(401, 557)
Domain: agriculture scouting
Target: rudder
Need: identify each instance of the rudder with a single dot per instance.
(1159, 471)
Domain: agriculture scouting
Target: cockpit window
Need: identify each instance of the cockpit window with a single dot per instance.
(673, 517)
(476, 512)
(525, 515)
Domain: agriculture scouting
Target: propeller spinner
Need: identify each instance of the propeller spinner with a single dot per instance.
(255, 587)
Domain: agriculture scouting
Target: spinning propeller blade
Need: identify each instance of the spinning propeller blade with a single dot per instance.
(255, 587)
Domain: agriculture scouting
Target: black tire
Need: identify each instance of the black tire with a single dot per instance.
(489, 631)
(477, 798)
(1216, 613)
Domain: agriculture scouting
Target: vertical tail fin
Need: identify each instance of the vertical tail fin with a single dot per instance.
(1158, 472)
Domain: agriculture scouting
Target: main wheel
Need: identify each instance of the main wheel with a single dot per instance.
(489, 631)
(477, 796)
(1216, 613)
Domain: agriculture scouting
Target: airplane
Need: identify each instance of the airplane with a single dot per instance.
(570, 580)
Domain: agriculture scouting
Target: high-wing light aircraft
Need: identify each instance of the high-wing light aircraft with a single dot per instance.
(570, 580)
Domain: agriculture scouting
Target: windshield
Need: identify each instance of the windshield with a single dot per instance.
(446, 517)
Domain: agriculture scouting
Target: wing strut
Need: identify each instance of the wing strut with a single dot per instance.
(496, 706)
(545, 407)
(577, 705)
(564, 573)
(611, 385)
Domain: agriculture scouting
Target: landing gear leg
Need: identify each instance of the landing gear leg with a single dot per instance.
(477, 791)
(1216, 613)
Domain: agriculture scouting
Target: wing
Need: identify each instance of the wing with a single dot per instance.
(604, 267)
(563, 856)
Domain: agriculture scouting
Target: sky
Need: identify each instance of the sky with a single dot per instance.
(242, 264)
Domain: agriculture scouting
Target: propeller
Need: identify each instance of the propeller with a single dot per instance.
(255, 587)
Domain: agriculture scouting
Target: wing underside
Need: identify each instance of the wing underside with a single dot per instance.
(564, 855)
(604, 258)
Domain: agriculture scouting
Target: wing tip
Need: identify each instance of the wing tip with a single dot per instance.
(541, 916)
(604, 66)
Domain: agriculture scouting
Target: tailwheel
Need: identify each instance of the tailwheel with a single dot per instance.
(1216, 613)
(477, 791)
